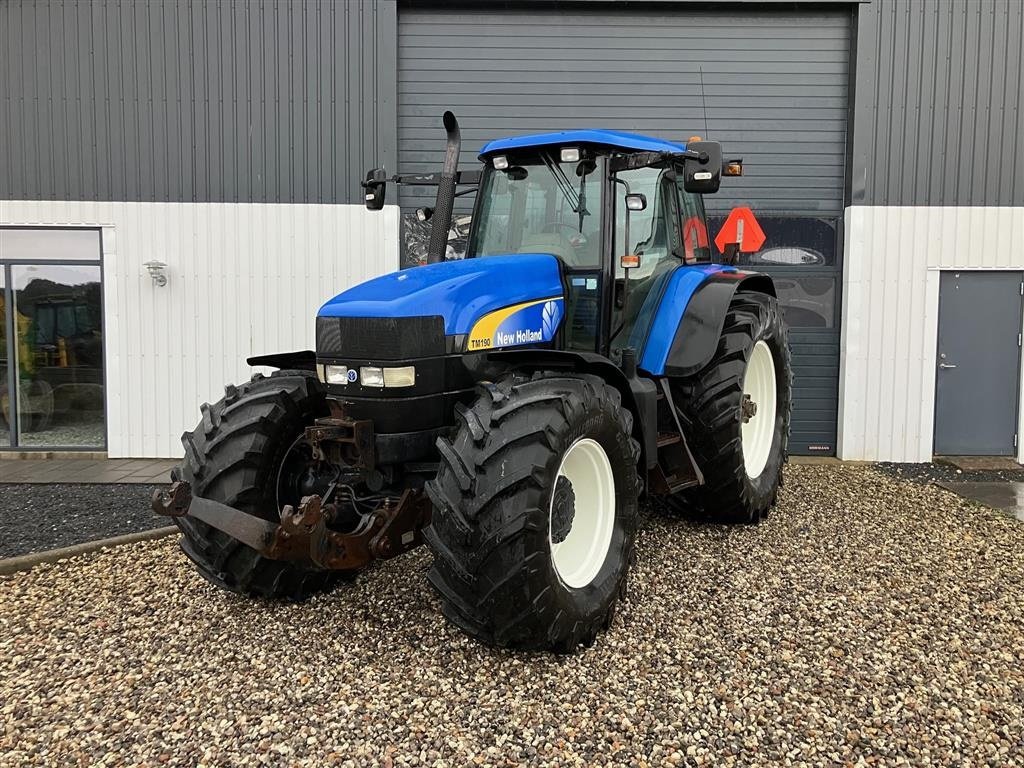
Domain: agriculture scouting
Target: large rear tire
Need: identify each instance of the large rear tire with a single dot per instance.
(233, 457)
(535, 512)
(736, 413)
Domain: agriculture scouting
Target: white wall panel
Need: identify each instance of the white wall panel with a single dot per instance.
(893, 256)
(243, 279)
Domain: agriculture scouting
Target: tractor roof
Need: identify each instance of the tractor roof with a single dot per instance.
(618, 139)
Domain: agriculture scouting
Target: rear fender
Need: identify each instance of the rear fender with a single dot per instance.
(701, 325)
(639, 394)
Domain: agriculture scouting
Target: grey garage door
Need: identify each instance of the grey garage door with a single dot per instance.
(775, 85)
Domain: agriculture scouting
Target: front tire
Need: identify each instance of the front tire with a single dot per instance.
(535, 512)
(736, 412)
(233, 456)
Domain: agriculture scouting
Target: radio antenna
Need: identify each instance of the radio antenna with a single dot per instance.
(704, 104)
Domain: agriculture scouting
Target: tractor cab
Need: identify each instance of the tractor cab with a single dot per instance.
(612, 207)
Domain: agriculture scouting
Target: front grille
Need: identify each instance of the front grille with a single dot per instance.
(380, 338)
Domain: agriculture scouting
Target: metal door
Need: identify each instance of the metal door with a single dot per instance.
(979, 354)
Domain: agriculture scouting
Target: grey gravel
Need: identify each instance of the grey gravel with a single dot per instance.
(944, 473)
(869, 621)
(35, 517)
(84, 433)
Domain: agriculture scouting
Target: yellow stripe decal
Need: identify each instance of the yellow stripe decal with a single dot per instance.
(482, 335)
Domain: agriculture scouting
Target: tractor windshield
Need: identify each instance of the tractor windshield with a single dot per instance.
(541, 206)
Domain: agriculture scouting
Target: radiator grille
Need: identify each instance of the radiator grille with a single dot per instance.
(380, 338)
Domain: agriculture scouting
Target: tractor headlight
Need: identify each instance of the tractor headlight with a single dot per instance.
(400, 377)
(500, 162)
(334, 374)
(372, 376)
(570, 154)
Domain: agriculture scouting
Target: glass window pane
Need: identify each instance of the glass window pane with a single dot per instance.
(50, 244)
(544, 206)
(5, 399)
(807, 301)
(649, 239)
(790, 241)
(696, 244)
(59, 354)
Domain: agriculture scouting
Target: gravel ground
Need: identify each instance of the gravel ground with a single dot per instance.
(86, 433)
(868, 620)
(944, 473)
(36, 517)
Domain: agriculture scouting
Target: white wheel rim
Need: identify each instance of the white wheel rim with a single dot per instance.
(757, 430)
(579, 556)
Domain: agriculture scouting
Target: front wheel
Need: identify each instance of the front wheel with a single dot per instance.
(535, 512)
(737, 412)
(238, 455)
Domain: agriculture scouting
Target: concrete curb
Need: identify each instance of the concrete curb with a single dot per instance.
(27, 562)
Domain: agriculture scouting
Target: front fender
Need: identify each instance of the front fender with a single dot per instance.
(639, 394)
(700, 328)
(304, 360)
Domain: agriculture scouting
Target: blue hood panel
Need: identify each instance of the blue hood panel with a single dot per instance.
(458, 291)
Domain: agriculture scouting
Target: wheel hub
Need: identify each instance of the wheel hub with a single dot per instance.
(563, 510)
(748, 408)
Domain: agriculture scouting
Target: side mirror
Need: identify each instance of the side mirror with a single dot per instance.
(375, 186)
(704, 175)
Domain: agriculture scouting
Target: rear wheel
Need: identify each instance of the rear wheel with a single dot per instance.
(736, 412)
(246, 446)
(535, 512)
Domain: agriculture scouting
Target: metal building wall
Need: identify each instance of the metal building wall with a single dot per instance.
(175, 100)
(243, 279)
(937, 182)
(938, 114)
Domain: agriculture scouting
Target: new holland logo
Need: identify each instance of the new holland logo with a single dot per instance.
(532, 322)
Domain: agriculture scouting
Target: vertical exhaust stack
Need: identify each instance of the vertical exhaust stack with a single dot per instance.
(441, 221)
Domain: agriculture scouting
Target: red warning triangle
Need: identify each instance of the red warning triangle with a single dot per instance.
(741, 227)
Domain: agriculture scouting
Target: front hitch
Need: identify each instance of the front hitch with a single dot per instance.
(304, 534)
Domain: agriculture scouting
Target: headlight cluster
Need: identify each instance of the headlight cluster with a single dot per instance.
(367, 375)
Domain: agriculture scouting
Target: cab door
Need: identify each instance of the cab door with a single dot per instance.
(655, 238)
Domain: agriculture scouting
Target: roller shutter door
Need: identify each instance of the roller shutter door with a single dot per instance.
(776, 93)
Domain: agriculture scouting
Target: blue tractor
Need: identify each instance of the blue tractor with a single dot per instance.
(513, 408)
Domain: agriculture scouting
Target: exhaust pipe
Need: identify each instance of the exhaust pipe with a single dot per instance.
(441, 221)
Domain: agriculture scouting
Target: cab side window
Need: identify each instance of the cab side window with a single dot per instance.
(648, 229)
(654, 238)
(696, 244)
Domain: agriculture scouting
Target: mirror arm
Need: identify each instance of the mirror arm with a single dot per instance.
(625, 281)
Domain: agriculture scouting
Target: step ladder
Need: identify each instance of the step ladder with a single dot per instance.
(676, 468)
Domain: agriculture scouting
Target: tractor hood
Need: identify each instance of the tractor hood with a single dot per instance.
(496, 300)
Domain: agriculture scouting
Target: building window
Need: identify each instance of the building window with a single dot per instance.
(51, 339)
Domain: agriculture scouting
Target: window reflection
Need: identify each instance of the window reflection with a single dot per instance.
(58, 355)
(5, 431)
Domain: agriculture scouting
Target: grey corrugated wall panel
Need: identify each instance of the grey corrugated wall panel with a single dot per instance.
(939, 103)
(175, 100)
(776, 86)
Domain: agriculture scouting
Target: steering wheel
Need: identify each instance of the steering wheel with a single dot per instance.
(577, 238)
(551, 226)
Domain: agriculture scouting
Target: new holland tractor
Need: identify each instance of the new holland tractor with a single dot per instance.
(512, 409)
